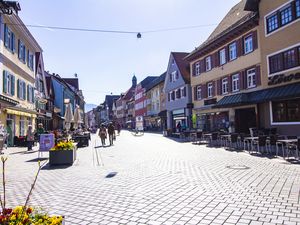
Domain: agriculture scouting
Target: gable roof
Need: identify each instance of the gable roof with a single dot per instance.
(156, 81)
(183, 65)
(234, 18)
(147, 80)
(109, 99)
(73, 82)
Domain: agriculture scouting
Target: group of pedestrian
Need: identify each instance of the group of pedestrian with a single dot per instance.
(31, 135)
(110, 130)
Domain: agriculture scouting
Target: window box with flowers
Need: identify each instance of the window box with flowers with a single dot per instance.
(63, 153)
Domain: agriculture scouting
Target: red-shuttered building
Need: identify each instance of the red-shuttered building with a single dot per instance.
(141, 98)
(224, 69)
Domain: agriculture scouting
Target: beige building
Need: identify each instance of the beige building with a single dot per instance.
(18, 49)
(225, 68)
(279, 35)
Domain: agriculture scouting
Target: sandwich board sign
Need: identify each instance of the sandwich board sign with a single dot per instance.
(46, 142)
(139, 123)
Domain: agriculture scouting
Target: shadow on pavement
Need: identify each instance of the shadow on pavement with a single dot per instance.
(48, 167)
(37, 159)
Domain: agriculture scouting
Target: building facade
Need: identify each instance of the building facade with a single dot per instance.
(17, 48)
(279, 35)
(140, 99)
(177, 89)
(224, 70)
(154, 90)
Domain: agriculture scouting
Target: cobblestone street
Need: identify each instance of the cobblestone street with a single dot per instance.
(159, 181)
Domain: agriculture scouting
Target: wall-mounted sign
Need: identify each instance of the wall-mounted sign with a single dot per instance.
(210, 101)
(282, 78)
(46, 142)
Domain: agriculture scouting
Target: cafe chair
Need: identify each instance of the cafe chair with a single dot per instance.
(213, 142)
(233, 141)
(271, 143)
(293, 148)
(261, 142)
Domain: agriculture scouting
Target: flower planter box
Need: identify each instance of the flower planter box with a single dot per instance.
(61, 157)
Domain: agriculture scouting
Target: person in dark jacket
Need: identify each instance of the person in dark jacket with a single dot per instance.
(111, 132)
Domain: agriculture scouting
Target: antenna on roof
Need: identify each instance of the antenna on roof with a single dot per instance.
(75, 75)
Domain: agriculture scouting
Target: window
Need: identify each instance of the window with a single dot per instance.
(30, 59)
(275, 63)
(209, 90)
(208, 63)
(284, 60)
(222, 55)
(21, 90)
(8, 83)
(235, 82)
(232, 51)
(183, 92)
(289, 59)
(22, 126)
(30, 94)
(286, 15)
(272, 22)
(224, 86)
(248, 44)
(251, 82)
(286, 111)
(21, 51)
(197, 68)
(297, 8)
(174, 76)
(9, 39)
(199, 93)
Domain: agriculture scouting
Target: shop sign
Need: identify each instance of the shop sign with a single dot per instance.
(210, 101)
(282, 78)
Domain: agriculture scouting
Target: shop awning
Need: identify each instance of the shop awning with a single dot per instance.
(233, 100)
(21, 112)
(162, 113)
(277, 93)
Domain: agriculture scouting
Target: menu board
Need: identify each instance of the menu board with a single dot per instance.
(46, 142)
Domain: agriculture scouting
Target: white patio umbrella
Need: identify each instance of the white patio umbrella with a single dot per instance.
(77, 118)
(68, 116)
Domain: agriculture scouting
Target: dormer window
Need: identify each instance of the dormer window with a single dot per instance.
(175, 76)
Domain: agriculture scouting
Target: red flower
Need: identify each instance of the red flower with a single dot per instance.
(29, 210)
(7, 211)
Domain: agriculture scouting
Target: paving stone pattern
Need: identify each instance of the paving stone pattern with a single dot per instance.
(159, 181)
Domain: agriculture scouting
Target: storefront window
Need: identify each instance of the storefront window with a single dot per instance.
(286, 111)
(22, 126)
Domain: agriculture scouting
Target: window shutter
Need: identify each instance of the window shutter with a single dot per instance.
(12, 85)
(212, 60)
(204, 91)
(4, 81)
(169, 98)
(18, 88)
(19, 49)
(194, 69)
(13, 42)
(195, 93)
(219, 87)
(28, 97)
(32, 94)
(24, 91)
(257, 76)
(227, 53)
(229, 80)
(5, 35)
(184, 91)
(243, 80)
(28, 57)
(24, 54)
(239, 45)
(254, 38)
(213, 88)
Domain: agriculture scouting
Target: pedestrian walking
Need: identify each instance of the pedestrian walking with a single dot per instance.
(30, 138)
(111, 133)
(102, 134)
(119, 128)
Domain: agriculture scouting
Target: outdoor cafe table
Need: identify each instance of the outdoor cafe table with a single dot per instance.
(207, 136)
(250, 140)
(284, 142)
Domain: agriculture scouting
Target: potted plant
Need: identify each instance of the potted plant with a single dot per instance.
(24, 214)
(63, 153)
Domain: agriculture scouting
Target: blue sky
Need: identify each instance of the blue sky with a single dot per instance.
(106, 62)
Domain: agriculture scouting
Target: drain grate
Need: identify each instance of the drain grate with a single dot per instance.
(238, 167)
(111, 174)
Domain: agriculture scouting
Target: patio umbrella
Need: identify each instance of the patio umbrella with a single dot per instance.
(77, 118)
(68, 116)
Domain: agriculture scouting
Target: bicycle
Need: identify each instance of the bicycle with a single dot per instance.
(137, 132)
